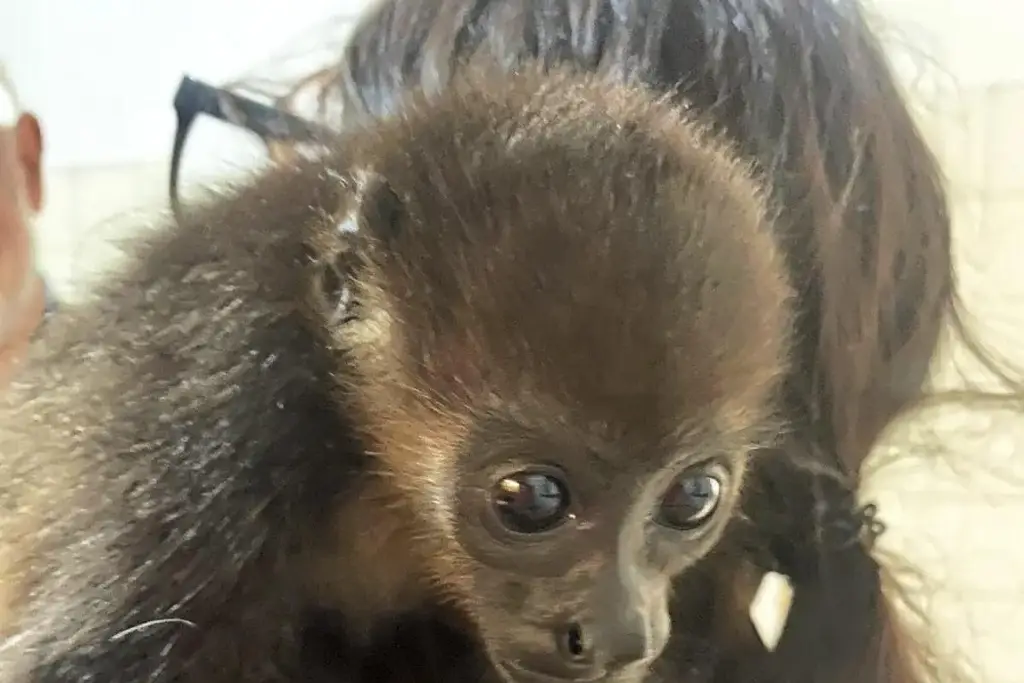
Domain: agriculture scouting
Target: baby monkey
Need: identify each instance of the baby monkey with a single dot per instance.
(507, 352)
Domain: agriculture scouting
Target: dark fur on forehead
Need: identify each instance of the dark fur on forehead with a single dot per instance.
(573, 246)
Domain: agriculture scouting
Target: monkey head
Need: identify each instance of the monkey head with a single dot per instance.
(564, 321)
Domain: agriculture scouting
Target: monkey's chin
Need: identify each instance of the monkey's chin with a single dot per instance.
(510, 672)
(513, 673)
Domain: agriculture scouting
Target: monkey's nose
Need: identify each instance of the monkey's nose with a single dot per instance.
(587, 651)
(575, 644)
(608, 647)
(571, 656)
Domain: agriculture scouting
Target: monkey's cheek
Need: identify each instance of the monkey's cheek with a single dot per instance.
(503, 639)
(661, 632)
(498, 611)
(453, 574)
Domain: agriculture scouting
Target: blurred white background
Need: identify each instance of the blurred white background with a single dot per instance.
(102, 75)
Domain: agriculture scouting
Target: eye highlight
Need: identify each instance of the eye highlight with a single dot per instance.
(530, 501)
(691, 500)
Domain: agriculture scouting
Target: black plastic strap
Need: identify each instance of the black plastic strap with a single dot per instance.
(195, 97)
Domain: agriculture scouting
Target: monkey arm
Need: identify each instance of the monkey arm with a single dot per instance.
(167, 451)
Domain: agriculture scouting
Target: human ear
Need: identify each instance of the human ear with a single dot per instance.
(29, 139)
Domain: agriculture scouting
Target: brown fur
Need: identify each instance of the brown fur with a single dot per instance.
(213, 440)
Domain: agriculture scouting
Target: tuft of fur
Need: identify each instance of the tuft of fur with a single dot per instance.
(263, 411)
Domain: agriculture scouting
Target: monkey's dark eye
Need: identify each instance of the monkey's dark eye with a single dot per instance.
(691, 500)
(530, 502)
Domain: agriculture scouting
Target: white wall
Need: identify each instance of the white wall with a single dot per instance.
(103, 72)
(978, 41)
(102, 75)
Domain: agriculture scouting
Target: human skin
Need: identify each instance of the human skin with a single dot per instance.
(22, 297)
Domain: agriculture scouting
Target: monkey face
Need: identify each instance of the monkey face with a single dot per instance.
(571, 550)
(570, 329)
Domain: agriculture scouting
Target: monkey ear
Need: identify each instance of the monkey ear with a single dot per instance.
(367, 219)
(373, 210)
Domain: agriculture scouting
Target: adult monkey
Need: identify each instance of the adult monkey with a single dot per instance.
(804, 89)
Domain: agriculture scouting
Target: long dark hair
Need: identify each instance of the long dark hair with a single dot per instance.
(802, 86)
